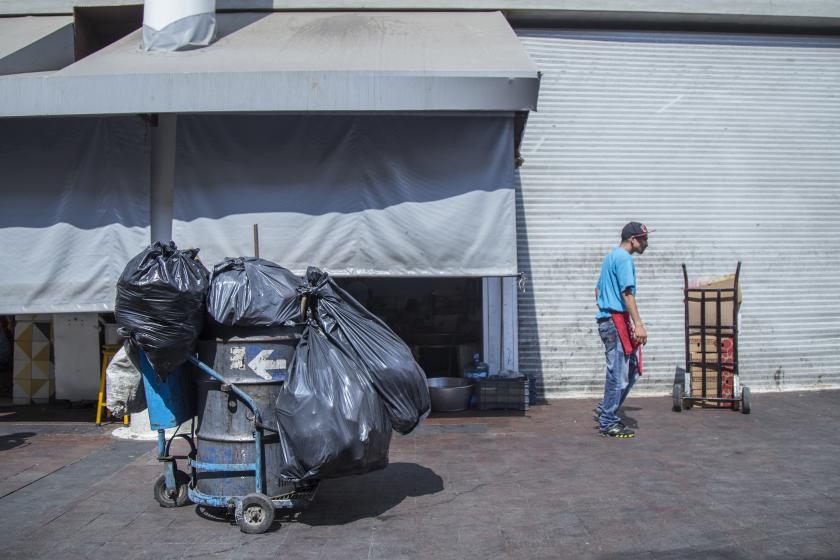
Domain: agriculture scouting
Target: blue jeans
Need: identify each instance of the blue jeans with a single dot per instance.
(621, 373)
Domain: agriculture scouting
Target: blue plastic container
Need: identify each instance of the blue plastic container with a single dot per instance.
(171, 401)
(476, 370)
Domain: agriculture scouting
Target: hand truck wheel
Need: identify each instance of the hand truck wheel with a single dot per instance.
(179, 497)
(678, 397)
(745, 400)
(254, 514)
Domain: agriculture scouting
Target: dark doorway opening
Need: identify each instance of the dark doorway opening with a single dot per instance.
(439, 318)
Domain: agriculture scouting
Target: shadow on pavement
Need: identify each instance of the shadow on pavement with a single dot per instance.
(345, 500)
(687, 553)
(10, 441)
(628, 420)
(62, 411)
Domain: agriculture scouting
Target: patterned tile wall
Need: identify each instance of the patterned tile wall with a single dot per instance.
(34, 362)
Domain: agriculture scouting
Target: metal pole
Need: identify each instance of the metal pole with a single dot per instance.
(169, 466)
(735, 328)
(719, 337)
(256, 241)
(162, 176)
(703, 338)
(260, 462)
(686, 327)
(161, 189)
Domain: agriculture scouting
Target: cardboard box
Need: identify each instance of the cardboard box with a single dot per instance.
(728, 307)
(726, 344)
(711, 375)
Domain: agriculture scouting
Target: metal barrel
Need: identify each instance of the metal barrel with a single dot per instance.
(224, 434)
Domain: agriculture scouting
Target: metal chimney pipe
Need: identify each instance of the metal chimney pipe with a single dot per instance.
(176, 25)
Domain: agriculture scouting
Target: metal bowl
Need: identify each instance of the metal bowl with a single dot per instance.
(450, 394)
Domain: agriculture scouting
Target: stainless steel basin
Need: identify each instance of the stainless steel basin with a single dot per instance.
(450, 394)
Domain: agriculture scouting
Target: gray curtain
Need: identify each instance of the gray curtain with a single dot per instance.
(396, 195)
(75, 208)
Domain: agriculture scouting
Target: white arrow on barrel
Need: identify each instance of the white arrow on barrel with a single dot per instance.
(262, 364)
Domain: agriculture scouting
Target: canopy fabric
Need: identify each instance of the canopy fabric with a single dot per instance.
(395, 195)
(298, 61)
(75, 208)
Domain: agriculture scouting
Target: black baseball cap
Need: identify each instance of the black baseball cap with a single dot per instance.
(634, 229)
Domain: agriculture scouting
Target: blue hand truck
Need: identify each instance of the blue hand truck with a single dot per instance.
(171, 403)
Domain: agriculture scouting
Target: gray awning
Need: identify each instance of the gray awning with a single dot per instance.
(337, 61)
(35, 44)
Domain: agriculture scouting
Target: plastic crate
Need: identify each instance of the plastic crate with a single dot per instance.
(503, 393)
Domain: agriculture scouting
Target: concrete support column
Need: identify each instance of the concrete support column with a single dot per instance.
(163, 135)
(500, 324)
(162, 176)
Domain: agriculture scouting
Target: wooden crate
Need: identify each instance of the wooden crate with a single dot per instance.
(503, 393)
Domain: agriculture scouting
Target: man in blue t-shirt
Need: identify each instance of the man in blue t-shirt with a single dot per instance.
(615, 295)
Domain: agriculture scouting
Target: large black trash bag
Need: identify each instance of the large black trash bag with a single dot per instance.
(160, 303)
(331, 422)
(253, 292)
(386, 360)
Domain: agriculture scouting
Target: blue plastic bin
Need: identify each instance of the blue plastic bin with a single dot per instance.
(171, 401)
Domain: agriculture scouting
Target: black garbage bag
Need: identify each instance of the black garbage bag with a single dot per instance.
(253, 292)
(331, 422)
(160, 303)
(385, 359)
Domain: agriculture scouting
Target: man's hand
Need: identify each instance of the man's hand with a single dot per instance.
(641, 333)
(630, 302)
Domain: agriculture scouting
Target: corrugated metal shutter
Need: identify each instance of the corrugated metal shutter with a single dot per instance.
(728, 146)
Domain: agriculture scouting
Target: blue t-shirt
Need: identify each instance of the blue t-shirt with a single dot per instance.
(617, 274)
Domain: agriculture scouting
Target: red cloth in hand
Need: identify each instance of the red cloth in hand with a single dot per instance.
(627, 335)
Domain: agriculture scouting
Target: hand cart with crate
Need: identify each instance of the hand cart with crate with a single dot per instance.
(711, 348)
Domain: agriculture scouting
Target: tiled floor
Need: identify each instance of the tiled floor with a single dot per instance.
(699, 484)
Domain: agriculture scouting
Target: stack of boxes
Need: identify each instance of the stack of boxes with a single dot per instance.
(711, 339)
(711, 360)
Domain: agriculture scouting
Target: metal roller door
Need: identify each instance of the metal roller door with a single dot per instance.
(728, 146)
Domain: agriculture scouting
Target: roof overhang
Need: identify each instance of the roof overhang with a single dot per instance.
(298, 61)
(35, 44)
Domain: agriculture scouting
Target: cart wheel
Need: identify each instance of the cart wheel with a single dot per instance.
(255, 514)
(678, 397)
(745, 400)
(177, 499)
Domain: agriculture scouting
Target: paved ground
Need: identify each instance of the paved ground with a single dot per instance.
(700, 484)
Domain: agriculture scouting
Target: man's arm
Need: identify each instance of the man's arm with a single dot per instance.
(630, 302)
(597, 293)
